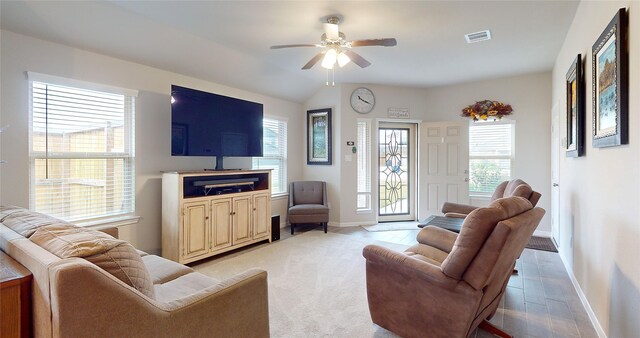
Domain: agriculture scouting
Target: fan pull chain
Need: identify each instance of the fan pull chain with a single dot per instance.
(333, 77)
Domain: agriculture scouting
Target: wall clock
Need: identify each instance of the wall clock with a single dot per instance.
(362, 100)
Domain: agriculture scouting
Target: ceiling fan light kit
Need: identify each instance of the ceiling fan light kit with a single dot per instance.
(337, 49)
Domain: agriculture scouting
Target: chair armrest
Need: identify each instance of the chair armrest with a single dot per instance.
(457, 208)
(324, 194)
(107, 229)
(82, 293)
(437, 237)
(380, 255)
(413, 297)
(534, 198)
(455, 215)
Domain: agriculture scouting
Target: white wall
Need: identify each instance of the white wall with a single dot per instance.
(528, 94)
(21, 53)
(326, 97)
(530, 98)
(600, 192)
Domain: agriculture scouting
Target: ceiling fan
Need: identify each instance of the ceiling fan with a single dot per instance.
(337, 49)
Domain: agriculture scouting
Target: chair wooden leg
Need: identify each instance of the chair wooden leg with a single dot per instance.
(292, 228)
(485, 325)
(325, 227)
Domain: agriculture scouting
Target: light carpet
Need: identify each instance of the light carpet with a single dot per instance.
(317, 285)
(392, 226)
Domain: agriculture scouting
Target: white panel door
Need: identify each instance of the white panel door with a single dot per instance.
(443, 166)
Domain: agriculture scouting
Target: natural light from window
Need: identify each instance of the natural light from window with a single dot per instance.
(274, 153)
(82, 152)
(491, 147)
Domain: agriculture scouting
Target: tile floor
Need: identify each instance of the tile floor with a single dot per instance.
(540, 300)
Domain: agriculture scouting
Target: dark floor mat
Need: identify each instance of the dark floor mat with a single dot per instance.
(541, 243)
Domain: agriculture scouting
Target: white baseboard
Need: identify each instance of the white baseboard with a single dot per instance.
(584, 301)
(350, 224)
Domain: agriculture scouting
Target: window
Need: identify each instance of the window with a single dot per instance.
(491, 147)
(274, 153)
(82, 161)
(364, 164)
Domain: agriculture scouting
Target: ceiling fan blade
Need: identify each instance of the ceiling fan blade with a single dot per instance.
(331, 30)
(357, 59)
(375, 42)
(294, 45)
(313, 61)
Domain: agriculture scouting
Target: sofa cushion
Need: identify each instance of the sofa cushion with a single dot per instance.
(308, 209)
(115, 256)
(25, 222)
(163, 270)
(183, 286)
(427, 253)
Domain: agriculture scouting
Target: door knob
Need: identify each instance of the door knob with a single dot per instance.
(466, 179)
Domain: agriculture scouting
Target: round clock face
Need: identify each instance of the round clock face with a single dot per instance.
(362, 100)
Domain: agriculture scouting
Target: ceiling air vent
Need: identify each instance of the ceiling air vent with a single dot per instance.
(478, 36)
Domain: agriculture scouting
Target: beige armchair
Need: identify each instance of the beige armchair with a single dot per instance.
(308, 203)
(515, 187)
(448, 284)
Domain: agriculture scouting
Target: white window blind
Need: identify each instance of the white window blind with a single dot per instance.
(82, 153)
(364, 164)
(491, 152)
(274, 153)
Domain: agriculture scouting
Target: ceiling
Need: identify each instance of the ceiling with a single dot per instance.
(228, 41)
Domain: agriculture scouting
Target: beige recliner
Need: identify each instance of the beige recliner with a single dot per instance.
(308, 203)
(448, 284)
(515, 187)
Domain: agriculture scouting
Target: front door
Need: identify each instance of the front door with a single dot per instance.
(396, 172)
(444, 165)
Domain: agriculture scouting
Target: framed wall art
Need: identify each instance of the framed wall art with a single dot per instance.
(319, 136)
(575, 109)
(610, 78)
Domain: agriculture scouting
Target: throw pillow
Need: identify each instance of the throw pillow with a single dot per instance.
(115, 256)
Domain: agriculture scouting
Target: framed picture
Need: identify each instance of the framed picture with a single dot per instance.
(610, 79)
(319, 136)
(575, 109)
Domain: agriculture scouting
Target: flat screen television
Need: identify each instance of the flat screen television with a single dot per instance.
(207, 124)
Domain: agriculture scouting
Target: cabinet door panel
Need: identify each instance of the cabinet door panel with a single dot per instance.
(261, 215)
(196, 229)
(221, 223)
(241, 219)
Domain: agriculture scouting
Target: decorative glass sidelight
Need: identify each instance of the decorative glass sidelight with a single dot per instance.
(393, 171)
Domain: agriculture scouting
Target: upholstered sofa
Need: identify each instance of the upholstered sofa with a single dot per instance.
(89, 284)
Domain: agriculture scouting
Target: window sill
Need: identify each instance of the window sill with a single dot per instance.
(480, 197)
(116, 221)
(363, 211)
(280, 196)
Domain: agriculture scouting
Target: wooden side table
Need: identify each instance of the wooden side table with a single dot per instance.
(15, 298)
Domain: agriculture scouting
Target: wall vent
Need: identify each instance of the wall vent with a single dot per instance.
(478, 36)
